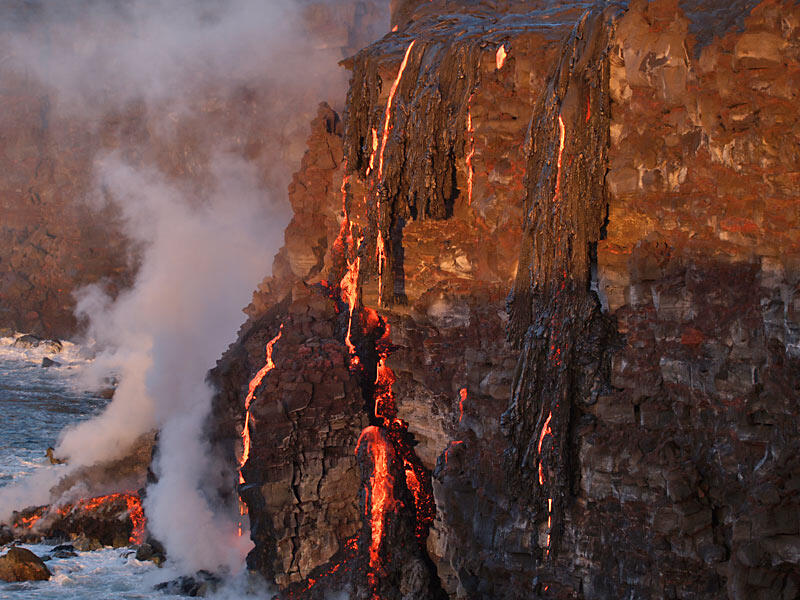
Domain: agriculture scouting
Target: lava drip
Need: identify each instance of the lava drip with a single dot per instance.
(251, 391)
(470, 153)
(555, 317)
(246, 441)
(387, 117)
(380, 498)
(380, 247)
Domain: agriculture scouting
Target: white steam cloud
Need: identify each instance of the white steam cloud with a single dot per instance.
(202, 243)
(198, 265)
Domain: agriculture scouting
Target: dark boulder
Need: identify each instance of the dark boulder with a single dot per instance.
(20, 564)
(199, 584)
(6, 535)
(52, 346)
(63, 551)
(46, 362)
(152, 551)
(27, 341)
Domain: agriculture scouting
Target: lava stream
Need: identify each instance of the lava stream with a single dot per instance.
(470, 154)
(500, 57)
(388, 115)
(380, 499)
(254, 383)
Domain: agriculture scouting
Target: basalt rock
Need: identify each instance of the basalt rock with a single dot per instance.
(20, 564)
(89, 524)
(574, 241)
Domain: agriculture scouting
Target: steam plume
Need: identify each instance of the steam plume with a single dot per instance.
(200, 248)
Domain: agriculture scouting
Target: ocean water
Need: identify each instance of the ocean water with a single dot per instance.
(36, 403)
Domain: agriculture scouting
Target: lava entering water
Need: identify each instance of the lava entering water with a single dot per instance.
(108, 504)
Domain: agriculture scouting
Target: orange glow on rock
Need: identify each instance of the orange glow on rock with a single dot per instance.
(561, 135)
(470, 154)
(388, 115)
(251, 390)
(463, 394)
(500, 57)
(380, 499)
(381, 258)
(384, 396)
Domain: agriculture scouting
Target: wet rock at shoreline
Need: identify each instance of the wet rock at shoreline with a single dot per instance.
(199, 584)
(19, 564)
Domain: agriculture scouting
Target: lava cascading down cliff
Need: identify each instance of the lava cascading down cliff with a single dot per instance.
(515, 360)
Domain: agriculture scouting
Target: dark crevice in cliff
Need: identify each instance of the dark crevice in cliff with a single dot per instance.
(555, 317)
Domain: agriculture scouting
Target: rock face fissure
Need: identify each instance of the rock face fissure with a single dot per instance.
(555, 317)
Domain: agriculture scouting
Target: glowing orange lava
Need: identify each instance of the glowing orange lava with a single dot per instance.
(374, 150)
(545, 431)
(449, 447)
(381, 499)
(384, 396)
(254, 383)
(136, 514)
(381, 257)
(28, 522)
(388, 115)
(470, 153)
(561, 132)
(463, 393)
(349, 294)
(132, 502)
(500, 57)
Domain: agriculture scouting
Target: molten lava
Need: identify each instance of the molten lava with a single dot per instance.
(470, 153)
(136, 515)
(500, 57)
(387, 117)
(561, 135)
(381, 498)
(545, 431)
(349, 294)
(380, 252)
(384, 396)
(463, 396)
(254, 383)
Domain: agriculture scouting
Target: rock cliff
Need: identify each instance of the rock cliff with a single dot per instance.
(539, 310)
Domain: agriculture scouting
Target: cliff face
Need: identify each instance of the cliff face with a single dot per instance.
(573, 234)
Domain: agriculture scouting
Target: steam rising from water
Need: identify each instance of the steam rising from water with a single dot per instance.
(201, 249)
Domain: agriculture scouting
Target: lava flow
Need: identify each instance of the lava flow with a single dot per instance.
(251, 390)
(106, 507)
(388, 115)
(470, 153)
(380, 498)
(500, 57)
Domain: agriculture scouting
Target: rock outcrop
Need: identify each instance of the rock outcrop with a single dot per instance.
(574, 239)
(20, 564)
